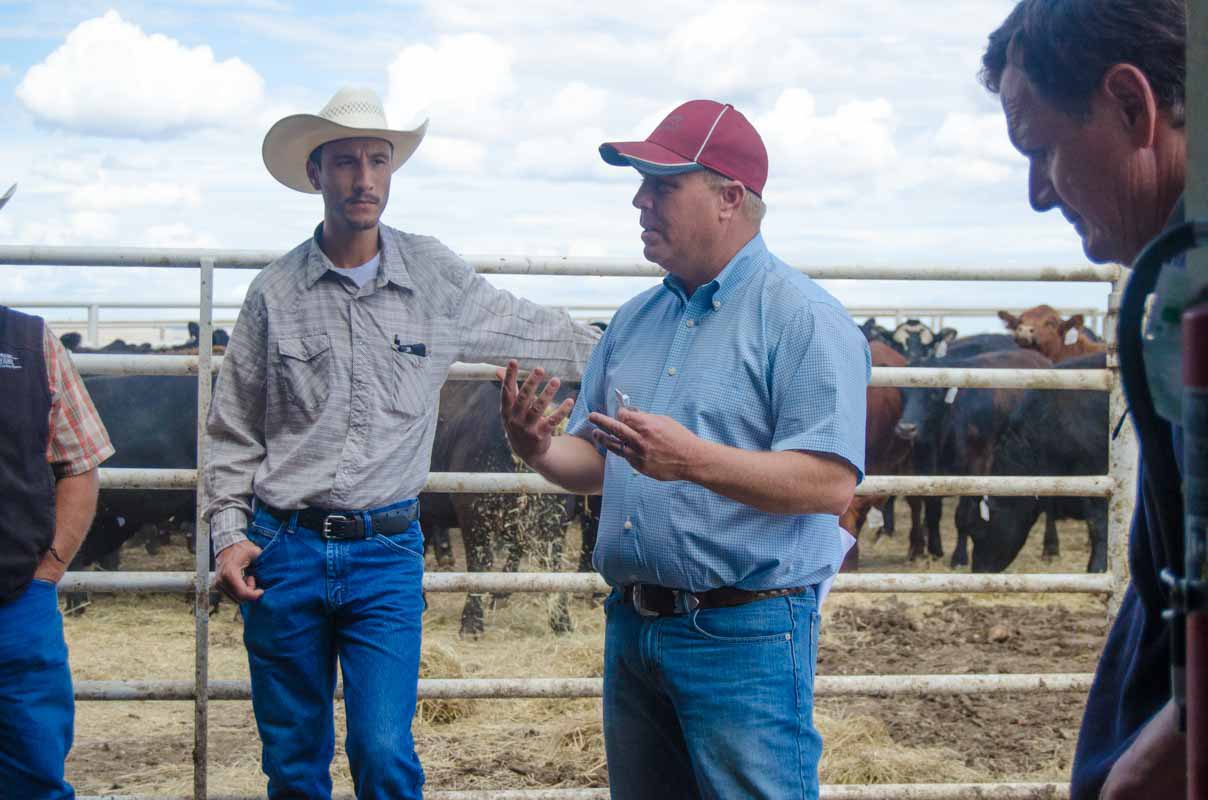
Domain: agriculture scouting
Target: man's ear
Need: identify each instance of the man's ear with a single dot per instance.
(732, 196)
(312, 173)
(1130, 96)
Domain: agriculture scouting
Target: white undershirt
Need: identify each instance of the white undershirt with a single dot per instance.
(363, 274)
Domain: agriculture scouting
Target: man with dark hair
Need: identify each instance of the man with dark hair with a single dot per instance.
(722, 415)
(51, 443)
(321, 434)
(1093, 95)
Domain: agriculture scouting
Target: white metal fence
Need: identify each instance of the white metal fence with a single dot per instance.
(93, 324)
(1117, 486)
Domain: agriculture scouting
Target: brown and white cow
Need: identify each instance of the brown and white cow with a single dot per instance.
(1042, 328)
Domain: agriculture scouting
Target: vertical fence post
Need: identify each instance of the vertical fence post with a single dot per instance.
(94, 325)
(1122, 457)
(201, 581)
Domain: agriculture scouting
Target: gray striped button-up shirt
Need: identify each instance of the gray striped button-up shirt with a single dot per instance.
(328, 394)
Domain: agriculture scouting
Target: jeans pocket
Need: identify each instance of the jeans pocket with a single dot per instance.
(768, 620)
(263, 537)
(410, 542)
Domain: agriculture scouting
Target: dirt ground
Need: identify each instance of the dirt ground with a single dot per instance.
(147, 747)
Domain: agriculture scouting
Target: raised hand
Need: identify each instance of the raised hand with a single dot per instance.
(522, 408)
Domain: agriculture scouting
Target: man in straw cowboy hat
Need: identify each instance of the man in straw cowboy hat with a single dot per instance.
(321, 433)
(723, 415)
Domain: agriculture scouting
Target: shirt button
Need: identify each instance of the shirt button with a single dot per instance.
(628, 525)
(716, 305)
(671, 371)
(690, 323)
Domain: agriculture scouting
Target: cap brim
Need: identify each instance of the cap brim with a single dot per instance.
(289, 143)
(647, 157)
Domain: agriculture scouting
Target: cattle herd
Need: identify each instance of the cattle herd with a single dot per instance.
(922, 431)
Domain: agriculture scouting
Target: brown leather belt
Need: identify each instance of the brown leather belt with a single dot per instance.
(651, 600)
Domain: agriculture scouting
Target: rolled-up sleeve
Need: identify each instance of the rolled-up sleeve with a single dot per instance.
(496, 325)
(819, 385)
(78, 439)
(236, 426)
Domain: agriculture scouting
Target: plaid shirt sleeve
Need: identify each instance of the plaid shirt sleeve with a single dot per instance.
(78, 439)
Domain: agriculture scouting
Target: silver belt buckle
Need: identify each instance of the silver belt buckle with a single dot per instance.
(327, 523)
(637, 602)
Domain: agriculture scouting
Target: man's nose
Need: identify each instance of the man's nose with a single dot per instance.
(641, 199)
(1041, 193)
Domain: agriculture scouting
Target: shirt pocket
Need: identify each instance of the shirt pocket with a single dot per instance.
(408, 385)
(305, 365)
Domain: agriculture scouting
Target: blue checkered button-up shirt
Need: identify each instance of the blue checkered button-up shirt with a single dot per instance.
(760, 358)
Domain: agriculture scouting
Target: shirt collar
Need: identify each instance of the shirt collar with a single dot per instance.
(392, 268)
(744, 264)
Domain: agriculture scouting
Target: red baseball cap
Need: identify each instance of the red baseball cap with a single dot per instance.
(700, 133)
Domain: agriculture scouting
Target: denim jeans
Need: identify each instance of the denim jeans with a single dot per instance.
(37, 710)
(717, 703)
(356, 601)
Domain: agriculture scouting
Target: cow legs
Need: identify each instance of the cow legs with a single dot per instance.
(934, 510)
(887, 528)
(1052, 546)
(1096, 523)
(437, 538)
(475, 534)
(916, 527)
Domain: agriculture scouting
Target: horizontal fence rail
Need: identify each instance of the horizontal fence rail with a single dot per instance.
(1070, 379)
(20, 255)
(877, 791)
(591, 583)
(531, 483)
(544, 688)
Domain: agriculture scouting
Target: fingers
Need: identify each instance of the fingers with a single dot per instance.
(507, 394)
(554, 418)
(232, 580)
(616, 428)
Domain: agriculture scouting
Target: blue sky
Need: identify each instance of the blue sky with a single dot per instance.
(130, 123)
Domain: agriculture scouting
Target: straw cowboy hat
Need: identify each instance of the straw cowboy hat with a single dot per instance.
(353, 113)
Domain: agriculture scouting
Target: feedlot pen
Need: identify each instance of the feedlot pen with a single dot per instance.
(1118, 486)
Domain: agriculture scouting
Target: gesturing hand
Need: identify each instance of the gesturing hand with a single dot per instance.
(528, 427)
(653, 444)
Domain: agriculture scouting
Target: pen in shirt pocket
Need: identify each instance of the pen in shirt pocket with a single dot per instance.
(417, 349)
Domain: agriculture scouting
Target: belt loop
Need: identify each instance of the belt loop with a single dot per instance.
(366, 524)
(292, 525)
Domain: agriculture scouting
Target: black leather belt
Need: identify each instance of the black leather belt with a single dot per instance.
(651, 600)
(349, 524)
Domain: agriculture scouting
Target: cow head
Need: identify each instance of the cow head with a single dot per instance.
(998, 528)
(917, 341)
(1042, 328)
(922, 413)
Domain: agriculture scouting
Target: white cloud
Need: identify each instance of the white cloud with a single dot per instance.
(857, 139)
(452, 153)
(6, 72)
(105, 196)
(178, 235)
(459, 83)
(109, 78)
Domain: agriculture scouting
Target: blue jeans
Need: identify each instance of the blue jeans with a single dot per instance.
(717, 703)
(357, 601)
(37, 710)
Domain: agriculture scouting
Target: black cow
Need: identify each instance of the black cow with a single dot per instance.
(152, 422)
(470, 438)
(1050, 433)
(953, 430)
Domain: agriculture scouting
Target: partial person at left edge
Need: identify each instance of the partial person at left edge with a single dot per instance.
(51, 443)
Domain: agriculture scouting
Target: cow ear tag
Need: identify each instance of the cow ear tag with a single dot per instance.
(950, 398)
(984, 508)
(1071, 337)
(941, 349)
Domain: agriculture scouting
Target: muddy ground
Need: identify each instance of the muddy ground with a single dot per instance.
(147, 747)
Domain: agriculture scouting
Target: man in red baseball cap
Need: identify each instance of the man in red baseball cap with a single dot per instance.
(722, 415)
